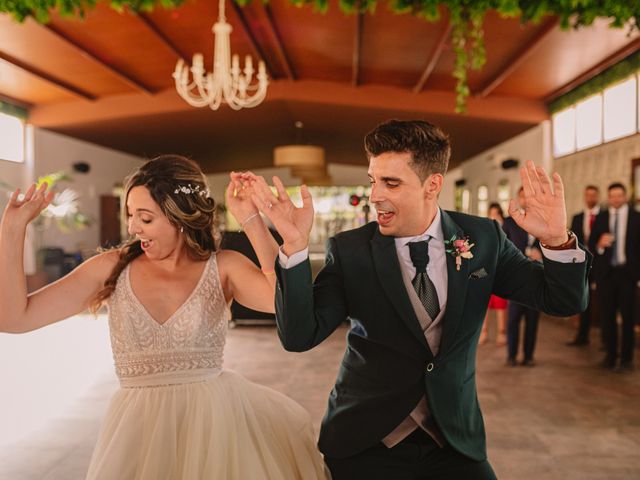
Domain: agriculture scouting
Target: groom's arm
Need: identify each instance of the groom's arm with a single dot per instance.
(554, 287)
(308, 312)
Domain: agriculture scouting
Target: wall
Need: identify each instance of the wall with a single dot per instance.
(599, 166)
(54, 152)
(485, 169)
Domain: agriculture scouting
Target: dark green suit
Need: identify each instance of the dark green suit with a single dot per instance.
(388, 365)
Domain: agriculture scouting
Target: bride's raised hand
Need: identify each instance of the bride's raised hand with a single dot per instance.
(238, 196)
(22, 210)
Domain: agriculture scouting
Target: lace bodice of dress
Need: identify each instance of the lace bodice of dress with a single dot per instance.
(191, 339)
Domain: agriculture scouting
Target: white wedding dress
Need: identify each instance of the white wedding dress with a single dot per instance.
(179, 415)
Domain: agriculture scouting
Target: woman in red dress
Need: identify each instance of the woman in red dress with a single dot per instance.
(496, 304)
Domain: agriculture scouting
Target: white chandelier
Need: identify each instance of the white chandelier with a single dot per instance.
(226, 83)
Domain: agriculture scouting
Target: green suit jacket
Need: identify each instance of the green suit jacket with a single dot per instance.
(388, 366)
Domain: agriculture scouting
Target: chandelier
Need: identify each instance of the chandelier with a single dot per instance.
(226, 83)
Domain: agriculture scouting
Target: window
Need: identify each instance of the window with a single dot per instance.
(466, 200)
(589, 122)
(11, 138)
(483, 200)
(620, 109)
(564, 132)
(504, 195)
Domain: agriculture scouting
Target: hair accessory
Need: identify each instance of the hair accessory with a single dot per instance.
(189, 189)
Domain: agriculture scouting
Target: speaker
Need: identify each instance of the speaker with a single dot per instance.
(461, 183)
(81, 167)
(510, 163)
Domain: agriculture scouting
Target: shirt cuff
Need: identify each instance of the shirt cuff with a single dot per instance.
(295, 259)
(574, 255)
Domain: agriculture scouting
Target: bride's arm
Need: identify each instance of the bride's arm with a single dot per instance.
(250, 286)
(70, 295)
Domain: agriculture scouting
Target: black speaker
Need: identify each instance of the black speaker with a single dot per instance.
(510, 163)
(461, 183)
(81, 167)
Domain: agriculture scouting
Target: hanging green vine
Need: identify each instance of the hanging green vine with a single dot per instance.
(466, 17)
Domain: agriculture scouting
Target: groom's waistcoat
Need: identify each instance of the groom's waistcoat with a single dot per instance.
(388, 366)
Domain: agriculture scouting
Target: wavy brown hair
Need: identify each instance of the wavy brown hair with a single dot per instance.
(192, 213)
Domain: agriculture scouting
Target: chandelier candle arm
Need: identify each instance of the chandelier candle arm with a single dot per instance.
(227, 83)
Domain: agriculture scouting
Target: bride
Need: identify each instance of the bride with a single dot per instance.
(178, 414)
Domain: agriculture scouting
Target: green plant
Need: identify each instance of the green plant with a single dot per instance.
(466, 17)
(63, 212)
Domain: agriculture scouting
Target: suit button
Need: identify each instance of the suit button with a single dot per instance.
(429, 366)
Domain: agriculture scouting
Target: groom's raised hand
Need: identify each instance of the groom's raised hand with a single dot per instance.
(544, 215)
(293, 223)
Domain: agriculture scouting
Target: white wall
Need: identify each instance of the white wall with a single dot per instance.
(54, 152)
(599, 166)
(485, 169)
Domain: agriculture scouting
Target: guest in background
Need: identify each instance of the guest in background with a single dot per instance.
(528, 245)
(581, 225)
(496, 304)
(615, 243)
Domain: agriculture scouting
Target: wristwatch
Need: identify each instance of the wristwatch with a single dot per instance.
(570, 244)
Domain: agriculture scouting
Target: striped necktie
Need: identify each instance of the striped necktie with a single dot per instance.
(424, 287)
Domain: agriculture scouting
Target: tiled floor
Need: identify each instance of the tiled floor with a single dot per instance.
(564, 419)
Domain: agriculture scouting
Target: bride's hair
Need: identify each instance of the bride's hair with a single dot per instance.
(179, 187)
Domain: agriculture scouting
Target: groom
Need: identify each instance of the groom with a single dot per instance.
(415, 286)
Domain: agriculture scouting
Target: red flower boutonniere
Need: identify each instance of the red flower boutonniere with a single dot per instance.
(460, 248)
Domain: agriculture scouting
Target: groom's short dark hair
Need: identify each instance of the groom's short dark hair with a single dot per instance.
(428, 145)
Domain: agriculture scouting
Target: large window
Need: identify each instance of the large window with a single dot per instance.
(620, 109)
(589, 122)
(603, 117)
(564, 132)
(11, 138)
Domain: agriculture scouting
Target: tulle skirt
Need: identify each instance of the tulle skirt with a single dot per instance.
(223, 427)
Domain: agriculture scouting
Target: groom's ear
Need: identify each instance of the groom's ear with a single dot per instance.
(433, 185)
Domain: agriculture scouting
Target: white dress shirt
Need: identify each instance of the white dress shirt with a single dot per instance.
(621, 233)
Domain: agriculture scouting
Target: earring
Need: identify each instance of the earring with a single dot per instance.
(181, 229)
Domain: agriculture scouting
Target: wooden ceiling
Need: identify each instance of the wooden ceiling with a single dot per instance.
(107, 78)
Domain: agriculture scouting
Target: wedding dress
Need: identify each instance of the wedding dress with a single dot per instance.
(178, 415)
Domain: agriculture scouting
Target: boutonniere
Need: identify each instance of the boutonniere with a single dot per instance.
(460, 248)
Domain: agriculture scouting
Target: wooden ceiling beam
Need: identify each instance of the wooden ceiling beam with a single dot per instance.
(166, 41)
(322, 93)
(47, 77)
(357, 49)
(518, 59)
(597, 69)
(282, 53)
(132, 82)
(252, 38)
(434, 58)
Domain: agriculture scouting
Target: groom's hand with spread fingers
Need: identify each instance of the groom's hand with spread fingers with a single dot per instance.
(292, 223)
(544, 215)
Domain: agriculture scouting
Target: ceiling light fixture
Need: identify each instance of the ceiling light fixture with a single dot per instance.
(227, 83)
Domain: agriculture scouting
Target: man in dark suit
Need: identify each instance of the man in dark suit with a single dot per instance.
(615, 243)
(415, 287)
(530, 247)
(582, 224)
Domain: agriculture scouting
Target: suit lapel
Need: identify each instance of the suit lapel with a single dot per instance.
(457, 283)
(387, 265)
